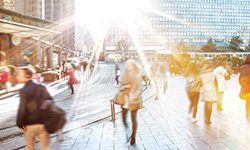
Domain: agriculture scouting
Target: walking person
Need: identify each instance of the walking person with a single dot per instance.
(117, 74)
(244, 81)
(4, 78)
(162, 76)
(131, 85)
(220, 73)
(28, 117)
(208, 91)
(72, 80)
(193, 85)
(64, 71)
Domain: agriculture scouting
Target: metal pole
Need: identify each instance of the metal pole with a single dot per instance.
(59, 136)
(112, 109)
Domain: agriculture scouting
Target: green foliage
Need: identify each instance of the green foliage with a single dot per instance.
(235, 43)
(248, 47)
(235, 61)
(209, 47)
(181, 47)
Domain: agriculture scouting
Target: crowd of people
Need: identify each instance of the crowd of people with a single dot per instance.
(205, 81)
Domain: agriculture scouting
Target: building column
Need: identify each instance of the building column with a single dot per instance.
(50, 57)
(15, 54)
(5, 45)
(60, 57)
(35, 58)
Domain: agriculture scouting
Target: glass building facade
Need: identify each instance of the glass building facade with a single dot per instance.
(169, 22)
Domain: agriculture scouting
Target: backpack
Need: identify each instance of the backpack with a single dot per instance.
(193, 85)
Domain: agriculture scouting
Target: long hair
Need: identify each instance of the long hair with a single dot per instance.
(192, 69)
(134, 64)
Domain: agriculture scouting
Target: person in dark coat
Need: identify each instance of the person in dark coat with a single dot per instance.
(28, 118)
(244, 81)
(117, 74)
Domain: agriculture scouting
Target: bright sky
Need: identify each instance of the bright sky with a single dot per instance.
(95, 15)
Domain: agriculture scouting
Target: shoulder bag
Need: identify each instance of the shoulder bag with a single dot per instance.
(120, 98)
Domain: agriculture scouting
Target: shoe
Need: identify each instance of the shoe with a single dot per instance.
(208, 122)
(132, 142)
(72, 94)
(194, 120)
(220, 109)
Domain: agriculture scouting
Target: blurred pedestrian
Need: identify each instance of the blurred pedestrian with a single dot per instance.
(193, 85)
(63, 72)
(117, 74)
(28, 117)
(26, 60)
(162, 76)
(220, 73)
(208, 91)
(72, 79)
(38, 73)
(244, 81)
(4, 75)
(144, 75)
(131, 85)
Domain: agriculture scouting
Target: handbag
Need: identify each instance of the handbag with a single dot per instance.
(118, 73)
(120, 98)
(53, 117)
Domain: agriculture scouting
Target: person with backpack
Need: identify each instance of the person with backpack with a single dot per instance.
(29, 119)
(193, 86)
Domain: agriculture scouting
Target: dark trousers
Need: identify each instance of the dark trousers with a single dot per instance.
(194, 99)
(208, 110)
(133, 117)
(116, 79)
(248, 108)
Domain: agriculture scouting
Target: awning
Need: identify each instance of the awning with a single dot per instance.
(23, 30)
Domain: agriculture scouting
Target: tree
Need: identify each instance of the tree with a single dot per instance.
(209, 47)
(235, 43)
(248, 47)
(181, 47)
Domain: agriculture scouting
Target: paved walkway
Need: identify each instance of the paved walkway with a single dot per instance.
(164, 124)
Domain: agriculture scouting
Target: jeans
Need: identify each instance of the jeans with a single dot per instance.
(116, 79)
(133, 117)
(33, 131)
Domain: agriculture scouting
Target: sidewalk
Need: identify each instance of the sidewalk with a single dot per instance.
(163, 124)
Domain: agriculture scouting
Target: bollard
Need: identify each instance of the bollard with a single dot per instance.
(59, 135)
(112, 109)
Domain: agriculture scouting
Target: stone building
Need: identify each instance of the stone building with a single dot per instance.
(40, 32)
